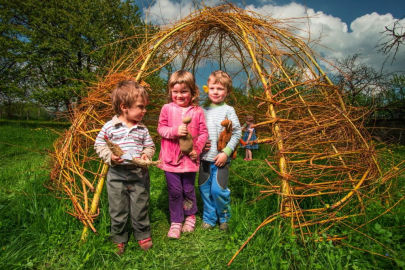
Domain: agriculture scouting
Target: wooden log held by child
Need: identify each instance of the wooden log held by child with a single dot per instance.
(186, 141)
(116, 150)
(225, 136)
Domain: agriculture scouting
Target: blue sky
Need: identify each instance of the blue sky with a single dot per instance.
(343, 27)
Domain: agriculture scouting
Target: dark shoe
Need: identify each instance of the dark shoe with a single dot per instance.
(145, 244)
(120, 248)
(223, 226)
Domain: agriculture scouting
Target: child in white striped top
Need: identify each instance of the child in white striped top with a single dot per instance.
(214, 168)
(127, 184)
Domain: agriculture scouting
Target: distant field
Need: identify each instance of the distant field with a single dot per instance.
(34, 123)
(37, 233)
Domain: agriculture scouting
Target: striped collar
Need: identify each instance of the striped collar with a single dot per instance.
(115, 121)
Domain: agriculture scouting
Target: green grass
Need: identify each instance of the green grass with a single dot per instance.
(37, 233)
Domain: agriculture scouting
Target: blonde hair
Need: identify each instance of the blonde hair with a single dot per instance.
(183, 76)
(126, 93)
(221, 77)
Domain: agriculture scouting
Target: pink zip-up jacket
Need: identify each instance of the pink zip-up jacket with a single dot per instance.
(170, 119)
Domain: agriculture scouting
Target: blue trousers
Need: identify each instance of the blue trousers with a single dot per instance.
(213, 184)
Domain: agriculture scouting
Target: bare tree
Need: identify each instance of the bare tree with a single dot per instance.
(395, 37)
(360, 82)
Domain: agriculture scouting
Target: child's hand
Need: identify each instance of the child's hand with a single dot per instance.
(182, 130)
(116, 159)
(145, 157)
(193, 155)
(207, 146)
(220, 159)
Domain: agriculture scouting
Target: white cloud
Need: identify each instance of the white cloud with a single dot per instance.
(265, 1)
(164, 12)
(336, 39)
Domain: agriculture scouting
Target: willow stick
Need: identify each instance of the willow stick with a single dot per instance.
(316, 121)
(267, 221)
(96, 199)
(285, 202)
(342, 104)
(338, 203)
(156, 46)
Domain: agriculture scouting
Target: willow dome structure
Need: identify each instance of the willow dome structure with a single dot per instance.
(320, 147)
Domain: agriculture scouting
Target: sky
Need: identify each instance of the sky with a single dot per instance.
(345, 27)
(347, 10)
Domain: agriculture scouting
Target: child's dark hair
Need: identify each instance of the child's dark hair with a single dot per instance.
(221, 77)
(126, 93)
(183, 76)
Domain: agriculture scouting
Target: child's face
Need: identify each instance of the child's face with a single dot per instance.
(136, 112)
(181, 94)
(216, 92)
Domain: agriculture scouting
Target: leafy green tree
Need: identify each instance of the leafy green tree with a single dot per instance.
(392, 102)
(54, 48)
(11, 62)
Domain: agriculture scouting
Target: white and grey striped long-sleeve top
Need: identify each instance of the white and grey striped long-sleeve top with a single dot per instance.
(214, 114)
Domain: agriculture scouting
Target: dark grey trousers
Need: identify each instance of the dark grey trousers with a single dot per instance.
(128, 195)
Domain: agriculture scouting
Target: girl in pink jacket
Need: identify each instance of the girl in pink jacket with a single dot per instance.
(180, 169)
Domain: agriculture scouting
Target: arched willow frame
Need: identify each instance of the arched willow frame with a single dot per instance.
(321, 148)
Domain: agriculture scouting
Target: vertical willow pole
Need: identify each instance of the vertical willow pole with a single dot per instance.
(96, 199)
(285, 206)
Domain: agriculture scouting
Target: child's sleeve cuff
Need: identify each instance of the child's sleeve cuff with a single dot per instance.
(227, 151)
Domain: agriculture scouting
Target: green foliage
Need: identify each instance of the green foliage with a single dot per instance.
(24, 110)
(37, 233)
(34, 123)
(11, 61)
(393, 101)
(54, 48)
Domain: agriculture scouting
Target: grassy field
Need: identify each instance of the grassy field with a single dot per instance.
(37, 233)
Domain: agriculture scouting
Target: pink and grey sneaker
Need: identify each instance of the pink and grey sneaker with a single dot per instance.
(189, 224)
